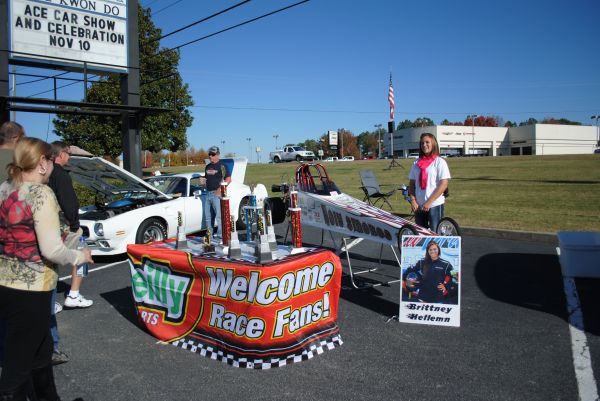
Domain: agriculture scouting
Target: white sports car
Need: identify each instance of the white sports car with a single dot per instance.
(134, 211)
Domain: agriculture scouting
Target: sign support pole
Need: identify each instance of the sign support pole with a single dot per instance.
(130, 96)
(4, 114)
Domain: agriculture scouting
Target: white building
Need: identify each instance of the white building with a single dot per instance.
(537, 139)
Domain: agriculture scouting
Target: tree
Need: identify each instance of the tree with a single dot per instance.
(311, 144)
(423, 122)
(405, 124)
(481, 121)
(160, 86)
(562, 121)
(530, 121)
(350, 143)
(367, 142)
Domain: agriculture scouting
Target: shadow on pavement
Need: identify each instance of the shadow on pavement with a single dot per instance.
(122, 302)
(527, 280)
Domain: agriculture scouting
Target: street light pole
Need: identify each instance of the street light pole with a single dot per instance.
(276, 136)
(378, 126)
(597, 132)
(250, 147)
(473, 117)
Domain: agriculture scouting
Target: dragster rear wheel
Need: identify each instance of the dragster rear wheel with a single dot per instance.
(448, 227)
(277, 207)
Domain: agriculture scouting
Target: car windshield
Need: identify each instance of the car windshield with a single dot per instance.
(175, 186)
(298, 148)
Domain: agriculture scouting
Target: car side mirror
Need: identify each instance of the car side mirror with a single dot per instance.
(197, 193)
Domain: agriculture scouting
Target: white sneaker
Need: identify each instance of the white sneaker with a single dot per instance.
(78, 302)
(57, 308)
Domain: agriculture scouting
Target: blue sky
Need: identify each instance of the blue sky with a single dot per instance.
(325, 65)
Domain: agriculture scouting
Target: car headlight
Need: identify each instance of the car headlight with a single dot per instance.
(99, 229)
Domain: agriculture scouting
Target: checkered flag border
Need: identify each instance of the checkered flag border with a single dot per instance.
(315, 348)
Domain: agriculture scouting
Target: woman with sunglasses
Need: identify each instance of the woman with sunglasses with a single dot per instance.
(31, 242)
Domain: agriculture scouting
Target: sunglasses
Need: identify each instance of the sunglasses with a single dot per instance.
(212, 154)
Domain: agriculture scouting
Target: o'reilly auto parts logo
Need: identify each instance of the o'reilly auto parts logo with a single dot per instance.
(157, 288)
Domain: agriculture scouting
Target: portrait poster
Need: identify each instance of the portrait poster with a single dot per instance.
(431, 280)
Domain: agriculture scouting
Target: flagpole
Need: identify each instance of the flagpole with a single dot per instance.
(391, 122)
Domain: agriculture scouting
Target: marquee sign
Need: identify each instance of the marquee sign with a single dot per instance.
(70, 32)
(243, 313)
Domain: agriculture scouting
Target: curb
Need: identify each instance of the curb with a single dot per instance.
(546, 238)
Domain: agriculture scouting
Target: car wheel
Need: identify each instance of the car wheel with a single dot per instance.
(448, 227)
(276, 159)
(298, 158)
(406, 229)
(277, 207)
(240, 224)
(151, 230)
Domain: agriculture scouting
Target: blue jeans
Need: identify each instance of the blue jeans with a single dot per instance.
(212, 213)
(53, 324)
(430, 219)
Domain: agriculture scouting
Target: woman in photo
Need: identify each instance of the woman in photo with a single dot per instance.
(430, 279)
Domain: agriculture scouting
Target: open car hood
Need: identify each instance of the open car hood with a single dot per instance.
(109, 180)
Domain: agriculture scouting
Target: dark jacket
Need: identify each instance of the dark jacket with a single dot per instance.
(62, 185)
(440, 272)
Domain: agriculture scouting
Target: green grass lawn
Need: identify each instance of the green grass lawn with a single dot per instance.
(530, 193)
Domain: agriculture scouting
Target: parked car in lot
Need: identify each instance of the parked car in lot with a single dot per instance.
(129, 210)
(331, 159)
(347, 159)
(413, 155)
(291, 153)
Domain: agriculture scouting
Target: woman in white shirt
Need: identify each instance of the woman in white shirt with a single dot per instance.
(428, 177)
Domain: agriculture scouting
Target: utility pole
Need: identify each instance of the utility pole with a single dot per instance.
(378, 126)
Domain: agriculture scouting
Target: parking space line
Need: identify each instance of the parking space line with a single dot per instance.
(94, 269)
(582, 362)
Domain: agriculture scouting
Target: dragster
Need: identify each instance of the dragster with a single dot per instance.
(323, 205)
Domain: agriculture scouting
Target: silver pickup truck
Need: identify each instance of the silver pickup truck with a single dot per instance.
(290, 153)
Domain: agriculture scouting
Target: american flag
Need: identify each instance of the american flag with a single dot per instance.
(391, 99)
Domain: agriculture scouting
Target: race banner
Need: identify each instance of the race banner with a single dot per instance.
(430, 290)
(246, 314)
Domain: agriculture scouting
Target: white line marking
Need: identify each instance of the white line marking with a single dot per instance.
(95, 269)
(582, 361)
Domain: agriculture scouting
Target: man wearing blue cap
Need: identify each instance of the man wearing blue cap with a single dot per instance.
(215, 173)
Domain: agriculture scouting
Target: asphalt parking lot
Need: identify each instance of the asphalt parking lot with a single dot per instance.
(513, 344)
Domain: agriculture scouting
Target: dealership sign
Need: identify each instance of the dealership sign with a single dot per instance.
(243, 313)
(70, 32)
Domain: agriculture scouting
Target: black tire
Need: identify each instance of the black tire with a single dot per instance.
(276, 159)
(151, 230)
(277, 207)
(406, 229)
(298, 158)
(448, 227)
(240, 224)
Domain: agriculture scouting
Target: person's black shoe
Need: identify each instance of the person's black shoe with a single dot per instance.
(59, 357)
